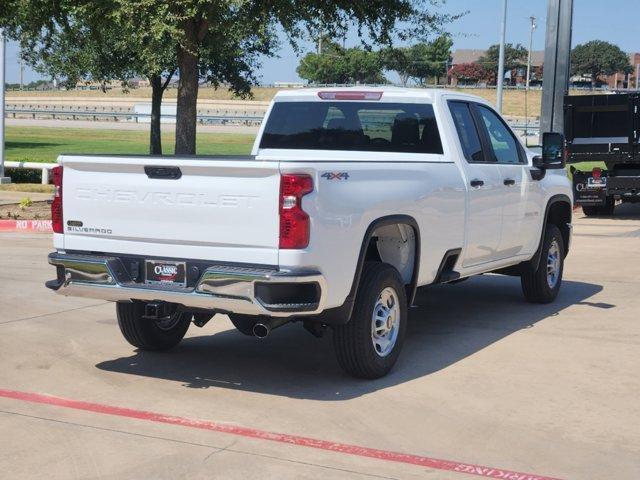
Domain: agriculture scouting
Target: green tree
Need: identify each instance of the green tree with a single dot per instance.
(397, 60)
(598, 57)
(419, 61)
(341, 65)
(97, 43)
(220, 41)
(515, 56)
(440, 56)
(420, 64)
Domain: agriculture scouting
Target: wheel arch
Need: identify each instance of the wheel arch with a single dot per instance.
(340, 315)
(558, 212)
(366, 250)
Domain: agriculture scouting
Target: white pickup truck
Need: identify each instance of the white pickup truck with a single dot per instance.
(351, 199)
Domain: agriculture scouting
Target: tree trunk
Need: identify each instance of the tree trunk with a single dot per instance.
(155, 138)
(594, 77)
(187, 92)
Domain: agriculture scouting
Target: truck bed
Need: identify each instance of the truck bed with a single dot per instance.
(602, 128)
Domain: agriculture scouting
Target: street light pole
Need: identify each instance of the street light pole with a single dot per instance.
(3, 179)
(503, 34)
(533, 27)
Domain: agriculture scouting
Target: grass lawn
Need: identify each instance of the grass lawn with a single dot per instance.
(41, 144)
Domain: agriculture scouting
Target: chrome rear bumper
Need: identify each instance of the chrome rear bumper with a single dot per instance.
(223, 288)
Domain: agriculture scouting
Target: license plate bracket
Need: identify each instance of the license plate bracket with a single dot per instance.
(165, 272)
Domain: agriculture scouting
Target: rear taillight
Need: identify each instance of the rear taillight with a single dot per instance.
(294, 222)
(56, 205)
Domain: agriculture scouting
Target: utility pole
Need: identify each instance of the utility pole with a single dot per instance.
(533, 27)
(3, 179)
(503, 34)
(557, 62)
(21, 72)
(637, 75)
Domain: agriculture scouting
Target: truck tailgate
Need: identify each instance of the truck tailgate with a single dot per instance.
(220, 209)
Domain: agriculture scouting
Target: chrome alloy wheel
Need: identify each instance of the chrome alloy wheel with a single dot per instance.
(385, 322)
(553, 264)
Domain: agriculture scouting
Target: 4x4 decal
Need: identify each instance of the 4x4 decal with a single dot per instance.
(335, 175)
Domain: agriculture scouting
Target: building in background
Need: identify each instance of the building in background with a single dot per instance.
(466, 67)
(466, 70)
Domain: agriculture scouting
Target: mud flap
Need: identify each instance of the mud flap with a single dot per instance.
(588, 190)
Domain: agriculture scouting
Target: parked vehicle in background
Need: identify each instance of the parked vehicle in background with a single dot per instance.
(604, 128)
(350, 201)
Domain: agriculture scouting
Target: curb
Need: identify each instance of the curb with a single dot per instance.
(27, 226)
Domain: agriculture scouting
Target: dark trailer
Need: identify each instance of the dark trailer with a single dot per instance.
(604, 128)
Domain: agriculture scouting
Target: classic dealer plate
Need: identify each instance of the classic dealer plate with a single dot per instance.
(165, 273)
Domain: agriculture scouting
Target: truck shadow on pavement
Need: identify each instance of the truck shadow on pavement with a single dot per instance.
(449, 323)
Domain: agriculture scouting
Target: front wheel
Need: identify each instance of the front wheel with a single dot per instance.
(151, 334)
(369, 344)
(543, 284)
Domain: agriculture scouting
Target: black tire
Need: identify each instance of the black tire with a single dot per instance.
(353, 341)
(590, 210)
(148, 334)
(244, 323)
(535, 285)
(607, 209)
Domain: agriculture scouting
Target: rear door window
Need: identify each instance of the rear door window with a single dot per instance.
(364, 126)
(467, 131)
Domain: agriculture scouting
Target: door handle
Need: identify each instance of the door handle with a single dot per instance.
(163, 173)
(476, 183)
(509, 181)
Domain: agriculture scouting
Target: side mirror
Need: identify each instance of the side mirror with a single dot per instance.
(552, 152)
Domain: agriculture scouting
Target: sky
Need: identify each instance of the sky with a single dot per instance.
(613, 21)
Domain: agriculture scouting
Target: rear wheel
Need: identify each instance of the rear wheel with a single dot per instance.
(590, 210)
(608, 208)
(543, 284)
(600, 210)
(369, 344)
(151, 334)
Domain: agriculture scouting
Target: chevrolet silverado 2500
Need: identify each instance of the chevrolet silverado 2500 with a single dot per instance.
(350, 201)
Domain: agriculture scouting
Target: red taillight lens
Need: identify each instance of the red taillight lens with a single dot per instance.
(294, 222)
(56, 205)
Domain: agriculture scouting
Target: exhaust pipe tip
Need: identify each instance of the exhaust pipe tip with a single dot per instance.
(261, 330)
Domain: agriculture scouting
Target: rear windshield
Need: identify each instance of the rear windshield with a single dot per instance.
(365, 126)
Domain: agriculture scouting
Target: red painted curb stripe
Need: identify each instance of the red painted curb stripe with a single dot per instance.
(26, 226)
(434, 463)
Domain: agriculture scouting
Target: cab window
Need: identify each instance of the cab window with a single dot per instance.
(467, 131)
(503, 143)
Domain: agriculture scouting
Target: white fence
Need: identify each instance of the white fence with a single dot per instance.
(44, 167)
